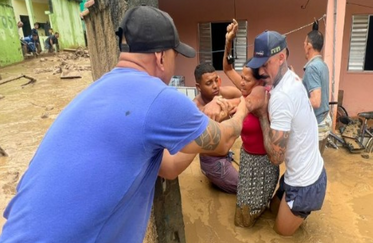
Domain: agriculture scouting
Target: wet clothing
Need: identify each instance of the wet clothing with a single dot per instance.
(30, 43)
(252, 136)
(290, 110)
(92, 178)
(258, 179)
(303, 200)
(316, 76)
(220, 171)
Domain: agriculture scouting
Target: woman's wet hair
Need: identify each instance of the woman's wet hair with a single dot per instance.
(255, 71)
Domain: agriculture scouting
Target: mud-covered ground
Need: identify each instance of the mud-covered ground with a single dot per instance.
(26, 112)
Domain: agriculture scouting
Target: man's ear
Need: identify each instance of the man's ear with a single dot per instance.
(159, 60)
(198, 87)
(282, 57)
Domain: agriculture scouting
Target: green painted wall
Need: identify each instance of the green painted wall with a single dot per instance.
(65, 20)
(10, 47)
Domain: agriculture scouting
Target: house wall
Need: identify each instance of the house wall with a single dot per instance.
(282, 16)
(357, 86)
(71, 31)
(39, 12)
(10, 47)
(19, 8)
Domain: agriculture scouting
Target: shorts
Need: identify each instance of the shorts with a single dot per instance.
(220, 171)
(303, 200)
(324, 127)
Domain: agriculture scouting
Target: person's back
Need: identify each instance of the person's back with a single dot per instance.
(121, 178)
(92, 178)
(30, 43)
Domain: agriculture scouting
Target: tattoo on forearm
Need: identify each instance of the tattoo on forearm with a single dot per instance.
(210, 138)
(275, 142)
(279, 140)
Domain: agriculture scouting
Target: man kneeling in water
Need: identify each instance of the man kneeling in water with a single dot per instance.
(218, 169)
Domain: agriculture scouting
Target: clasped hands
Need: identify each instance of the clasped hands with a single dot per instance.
(219, 109)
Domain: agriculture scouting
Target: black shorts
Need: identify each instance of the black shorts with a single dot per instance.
(303, 200)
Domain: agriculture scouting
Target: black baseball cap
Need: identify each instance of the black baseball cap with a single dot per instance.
(267, 44)
(147, 29)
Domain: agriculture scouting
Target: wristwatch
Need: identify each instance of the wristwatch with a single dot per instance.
(230, 59)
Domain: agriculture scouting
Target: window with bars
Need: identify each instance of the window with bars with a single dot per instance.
(361, 44)
(212, 43)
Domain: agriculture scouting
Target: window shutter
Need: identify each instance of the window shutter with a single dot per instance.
(358, 43)
(205, 45)
(240, 45)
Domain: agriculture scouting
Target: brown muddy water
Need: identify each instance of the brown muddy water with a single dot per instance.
(27, 112)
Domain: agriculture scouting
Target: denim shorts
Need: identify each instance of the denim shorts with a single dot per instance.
(303, 200)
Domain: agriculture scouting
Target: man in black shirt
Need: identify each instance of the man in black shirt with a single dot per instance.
(50, 41)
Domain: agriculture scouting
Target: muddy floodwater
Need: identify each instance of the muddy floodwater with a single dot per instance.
(26, 112)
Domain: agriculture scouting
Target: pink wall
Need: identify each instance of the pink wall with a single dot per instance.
(333, 45)
(357, 86)
(282, 16)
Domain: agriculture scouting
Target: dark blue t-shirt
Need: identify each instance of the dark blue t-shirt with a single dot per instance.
(92, 177)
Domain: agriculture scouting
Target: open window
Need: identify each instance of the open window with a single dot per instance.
(212, 43)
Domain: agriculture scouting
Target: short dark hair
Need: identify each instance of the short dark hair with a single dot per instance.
(255, 71)
(316, 39)
(56, 33)
(36, 23)
(201, 69)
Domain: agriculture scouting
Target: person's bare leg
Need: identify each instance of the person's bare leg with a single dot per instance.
(286, 222)
(275, 204)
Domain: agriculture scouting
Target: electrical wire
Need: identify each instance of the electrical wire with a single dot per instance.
(360, 5)
(287, 33)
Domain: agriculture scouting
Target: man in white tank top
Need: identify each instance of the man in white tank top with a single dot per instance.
(290, 134)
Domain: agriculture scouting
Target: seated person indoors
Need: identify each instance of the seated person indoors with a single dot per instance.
(218, 169)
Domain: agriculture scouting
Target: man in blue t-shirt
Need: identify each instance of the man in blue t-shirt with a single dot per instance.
(316, 81)
(29, 44)
(92, 178)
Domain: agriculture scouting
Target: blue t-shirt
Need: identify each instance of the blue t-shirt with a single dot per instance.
(92, 178)
(316, 76)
